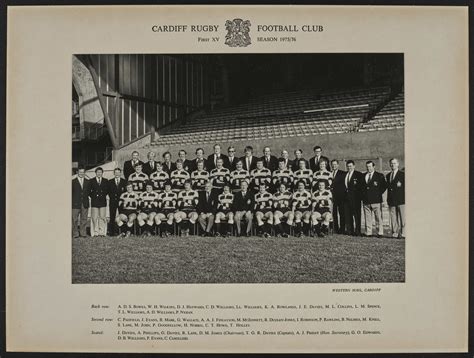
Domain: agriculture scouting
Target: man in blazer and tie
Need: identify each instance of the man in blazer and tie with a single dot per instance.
(207, 205)
(98, 194)
(80, 203)
(212, 159)
(116, 186)
(286, 158)
(199, 156)
(295, 164)
(243, 206)
(396, 199)
(318, 157)
(352, 201)
(168, 165)
(231, 159)
(187, 164)
(269, 160)
(373, 189)
(249, 161)
(338, 195)
(150, 166)
(129, 165)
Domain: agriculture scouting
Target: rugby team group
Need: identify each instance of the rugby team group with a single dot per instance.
(221, 195)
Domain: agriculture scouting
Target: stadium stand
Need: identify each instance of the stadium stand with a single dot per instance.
(391, 116)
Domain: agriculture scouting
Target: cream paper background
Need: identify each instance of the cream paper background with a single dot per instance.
(45, 312)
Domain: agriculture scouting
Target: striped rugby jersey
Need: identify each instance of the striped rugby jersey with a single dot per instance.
(168, 200)
(322, 175)
(302, 200)
(219, 177)
(260, 176)
(322, 199)
(159, 179)
(129, 201)
(138, 181)
(236, 178)
(199, 179)
(281, 201)
(283, 176)
(263, 201)
(188, 200)
(305, 175)
(225, 201)
(149, 201)
(178, 177)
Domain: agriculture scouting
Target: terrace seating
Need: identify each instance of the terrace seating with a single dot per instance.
(391, 116)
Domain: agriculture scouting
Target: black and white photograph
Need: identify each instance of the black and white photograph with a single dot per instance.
(238, 168)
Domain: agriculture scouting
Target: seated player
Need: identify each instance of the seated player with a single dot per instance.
(199, 177)
(178, 177)
(264, 211)
(148, 205)
(260, 175)
(219, 177)
(322, 174)
(187, 208)
(282, 175)
(138, 179)
(225, 203)
(128, 207)
(207, 209)
(301, 207)
(322, 209)
(238, 176)
(281, 203)
(303, 175)
(159, 178)
(243, 206)
(167, 208)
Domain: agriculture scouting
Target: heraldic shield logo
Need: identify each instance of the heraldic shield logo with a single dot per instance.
(237, 33)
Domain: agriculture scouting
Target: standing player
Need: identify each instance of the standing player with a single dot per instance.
(282, 175)
(168, 165)
(207, 209)
(304, 175)
(128, 207)
(322, 209)
(187, 164)
(295, 164)
(301, 207)
(225, 203)
(260, 175)
(138, 179)
(159, 178)
(263, 210)
(178, 177)
(167, 204)
(322, 174)
(148, 205)
(219, 176)
(187, 208)
(282, 205)
(238, 176)
(199, 177)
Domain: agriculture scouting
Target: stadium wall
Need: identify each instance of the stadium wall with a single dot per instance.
(359, 146)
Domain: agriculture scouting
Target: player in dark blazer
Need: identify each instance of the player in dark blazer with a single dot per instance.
(231, 159)
(374, 185)
(212, 159)
(396, 199)
(207, 205)
(249, 161)
(269, 160)
(116, 186)
(199, 156)
(129, 165)
(295, 163)
(338, 189)
(188, 165)
(243, 207)
(80, 203)
(168, 165)
(149, 167)
(98, 194)
(353, 182)
(318, 157)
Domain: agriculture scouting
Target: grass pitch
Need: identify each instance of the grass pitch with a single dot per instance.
(333, 259)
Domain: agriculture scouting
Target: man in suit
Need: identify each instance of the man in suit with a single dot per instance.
(129, 165)
(243, 206)
(396, 199)
(98, 195)
(199, 157)
(338, 189)
(80, 203)
(168, 165)
(295, 164)
(232, 159)
(286, 158)
(207, 203)
(212, 159)
(249, 161)
(318, 157)
(269, 160)
(373, 189)
(187, 164)
(150, 166)
(116, 186)
(353, 182)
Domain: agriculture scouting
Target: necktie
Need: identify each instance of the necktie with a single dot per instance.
(370, 176)
(80, 182)
(117, 182)
(391, 177)
(99, 181)
(152, 165)
(248, 163)
(207, 196)
(215, 159)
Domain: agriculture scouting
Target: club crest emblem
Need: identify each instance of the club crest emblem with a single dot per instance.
(237, 33)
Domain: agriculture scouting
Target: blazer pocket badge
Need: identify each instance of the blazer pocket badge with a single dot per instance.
(375, 183)
(399, 184)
